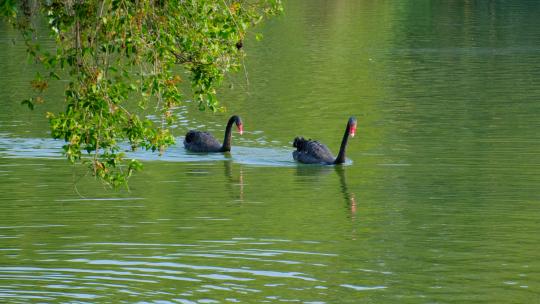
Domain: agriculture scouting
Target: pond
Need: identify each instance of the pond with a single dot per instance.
(439, 201)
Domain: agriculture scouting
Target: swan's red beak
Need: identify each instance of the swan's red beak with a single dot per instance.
(353, 130)
(241, 129)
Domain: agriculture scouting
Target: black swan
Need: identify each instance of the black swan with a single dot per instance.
(197, 141)
(313, 152)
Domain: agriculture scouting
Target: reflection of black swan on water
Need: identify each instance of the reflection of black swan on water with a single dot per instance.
(313, 152)
(197, 141)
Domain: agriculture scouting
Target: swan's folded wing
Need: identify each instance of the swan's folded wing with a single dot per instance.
(318, 148)
(200, 139)
(312, 151)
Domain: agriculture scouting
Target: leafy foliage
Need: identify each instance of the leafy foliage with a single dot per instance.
(121, 58)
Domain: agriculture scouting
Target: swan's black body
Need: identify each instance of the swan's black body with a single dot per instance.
(197, 141)
(313, 152)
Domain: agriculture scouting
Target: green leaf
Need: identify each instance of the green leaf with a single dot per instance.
(54, 75)
(28, 103)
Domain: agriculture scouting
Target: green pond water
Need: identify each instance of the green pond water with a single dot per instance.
(439, 201)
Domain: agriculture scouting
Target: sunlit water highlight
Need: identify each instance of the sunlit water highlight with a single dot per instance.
(50, 148)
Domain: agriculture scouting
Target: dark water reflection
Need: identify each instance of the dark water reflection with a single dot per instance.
(439, 202)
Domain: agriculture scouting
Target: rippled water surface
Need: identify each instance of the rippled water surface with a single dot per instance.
(439, 201)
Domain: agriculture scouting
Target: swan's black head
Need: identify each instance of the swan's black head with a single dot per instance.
(239, 125)
(352, 126)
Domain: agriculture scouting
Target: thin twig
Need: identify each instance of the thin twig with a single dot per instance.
(241, 37)
(245, 72)
(75, 182)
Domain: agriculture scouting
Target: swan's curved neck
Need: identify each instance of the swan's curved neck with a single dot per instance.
(341, 156)
(226, 147)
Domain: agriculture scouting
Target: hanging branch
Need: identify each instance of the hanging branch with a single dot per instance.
(121, 61)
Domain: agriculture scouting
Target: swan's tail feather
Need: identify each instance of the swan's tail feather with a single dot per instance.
(190, 136)
(299, 143)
